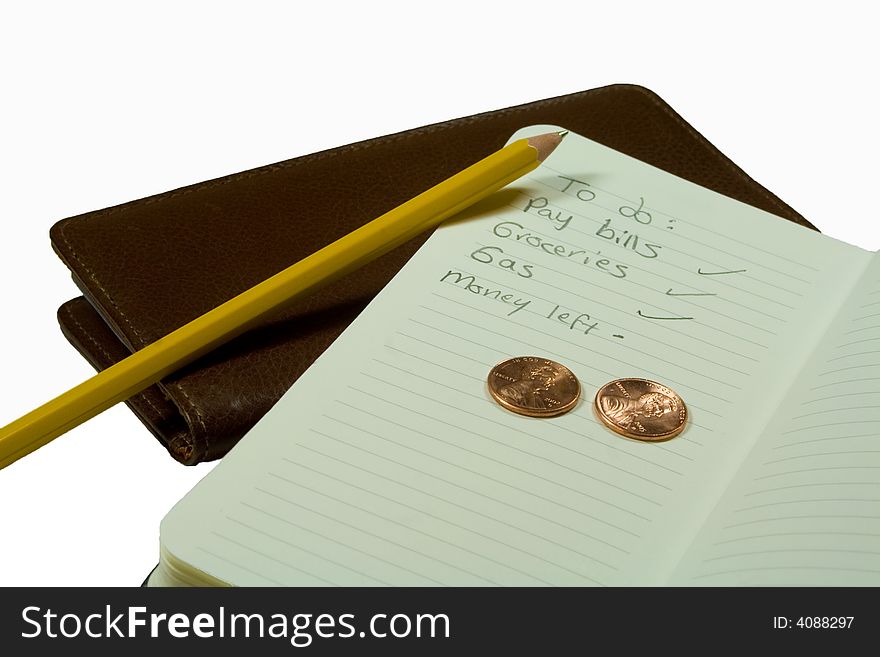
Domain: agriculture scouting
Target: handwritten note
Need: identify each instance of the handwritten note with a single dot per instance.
(388, 463)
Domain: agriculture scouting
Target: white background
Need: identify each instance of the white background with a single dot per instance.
(101, 104)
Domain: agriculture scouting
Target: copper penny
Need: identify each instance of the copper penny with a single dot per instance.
(534, 386)
(641, 409)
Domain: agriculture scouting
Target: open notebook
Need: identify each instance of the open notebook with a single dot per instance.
(388, 463)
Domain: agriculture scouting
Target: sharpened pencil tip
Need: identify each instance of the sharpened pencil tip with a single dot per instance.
(546, 143)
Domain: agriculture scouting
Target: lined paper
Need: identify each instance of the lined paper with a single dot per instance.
(387, 463)
(805, 507)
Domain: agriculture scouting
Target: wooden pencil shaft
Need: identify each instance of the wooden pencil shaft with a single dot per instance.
(196, 338)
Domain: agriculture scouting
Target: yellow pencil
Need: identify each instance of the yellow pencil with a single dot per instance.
(159, 359)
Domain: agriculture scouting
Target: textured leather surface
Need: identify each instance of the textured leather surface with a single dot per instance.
(151, 265)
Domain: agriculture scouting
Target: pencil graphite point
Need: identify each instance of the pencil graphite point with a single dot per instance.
(546, 143)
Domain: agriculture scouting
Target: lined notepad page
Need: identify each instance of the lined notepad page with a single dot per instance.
(388, 463)
(805, 506)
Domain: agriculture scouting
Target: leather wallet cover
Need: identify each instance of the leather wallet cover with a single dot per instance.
(149, 266)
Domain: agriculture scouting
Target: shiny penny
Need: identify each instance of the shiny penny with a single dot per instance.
(641, 409)
(534, 386)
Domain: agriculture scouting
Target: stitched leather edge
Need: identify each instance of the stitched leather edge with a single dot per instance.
(180, 444)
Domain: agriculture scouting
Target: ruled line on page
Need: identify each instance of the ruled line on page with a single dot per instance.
(805, 568)
(754, 537)
(812, 484)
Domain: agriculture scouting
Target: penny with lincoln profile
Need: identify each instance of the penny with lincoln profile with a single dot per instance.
(641, 409)
(534, 386)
